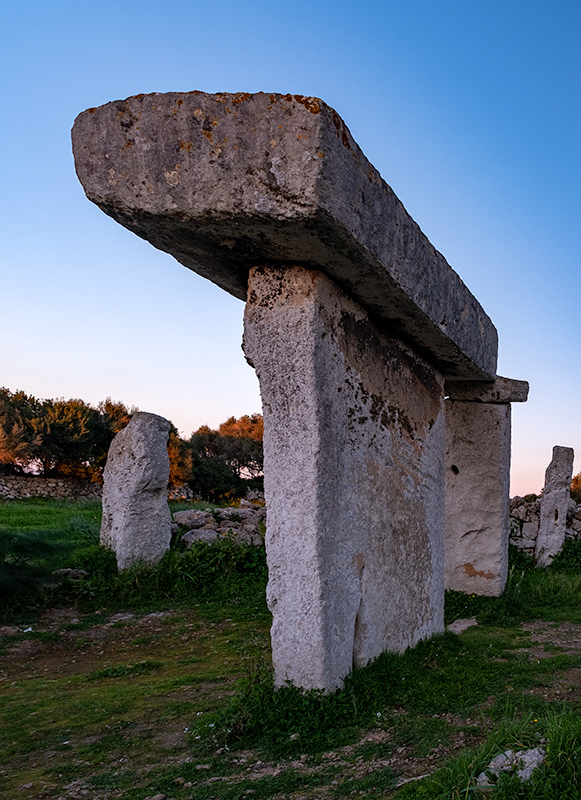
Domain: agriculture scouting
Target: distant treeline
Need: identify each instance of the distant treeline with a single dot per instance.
(71, 438)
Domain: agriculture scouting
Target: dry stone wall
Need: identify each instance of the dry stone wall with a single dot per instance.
(19, 487)
(525, 518)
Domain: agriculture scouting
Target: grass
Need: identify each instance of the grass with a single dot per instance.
(158, 681)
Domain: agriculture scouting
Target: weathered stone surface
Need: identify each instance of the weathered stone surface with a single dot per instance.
(193, 518)
(206, 536)
(136, 520)
(501, 390)
(477, 496)
(224, 182)
(461, 625)
(239, 525)
(354, 473)
(554, 505)
(526, 760)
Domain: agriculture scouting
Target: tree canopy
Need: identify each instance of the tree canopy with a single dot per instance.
(71, 438)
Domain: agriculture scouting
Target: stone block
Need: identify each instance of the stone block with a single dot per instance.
(354, 473)
(477, 496)
(500, 390)
(136, 521)
(225, 182)
(530, 531)
(554, 505)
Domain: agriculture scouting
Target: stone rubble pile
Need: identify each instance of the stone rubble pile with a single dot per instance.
(244, 525)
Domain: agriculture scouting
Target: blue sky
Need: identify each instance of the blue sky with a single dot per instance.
(471, 112)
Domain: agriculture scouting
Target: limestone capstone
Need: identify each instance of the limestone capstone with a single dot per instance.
(225, 182)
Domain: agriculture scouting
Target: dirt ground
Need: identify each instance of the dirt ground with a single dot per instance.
(74, 653)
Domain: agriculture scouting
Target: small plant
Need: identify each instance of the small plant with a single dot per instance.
(569, 559)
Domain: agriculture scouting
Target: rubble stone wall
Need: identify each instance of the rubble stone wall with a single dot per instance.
(525, 517)
(19, 487)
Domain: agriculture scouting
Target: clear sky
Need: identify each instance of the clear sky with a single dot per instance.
(470, 110)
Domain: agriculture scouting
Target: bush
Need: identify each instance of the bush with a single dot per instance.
(569, 559)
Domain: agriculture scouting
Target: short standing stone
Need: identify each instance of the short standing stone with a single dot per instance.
(136, 518)
(554, 505)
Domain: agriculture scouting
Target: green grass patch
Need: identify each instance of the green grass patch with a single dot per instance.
(124, 670)
(111, 700)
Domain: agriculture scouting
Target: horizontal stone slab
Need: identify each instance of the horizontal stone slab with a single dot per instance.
(501, 390)
(225, 182)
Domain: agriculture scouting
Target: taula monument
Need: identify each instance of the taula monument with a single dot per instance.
(386, 428)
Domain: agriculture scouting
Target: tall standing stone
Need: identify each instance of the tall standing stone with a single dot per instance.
(353, 463)
(478, 423)
(136, 520)
(554, 505)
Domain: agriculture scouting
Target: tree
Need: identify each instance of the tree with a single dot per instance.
(245, 427)
(180, 458)
(576, 488)
(17, 439)
(225, 460)
(57, 437)
(71, 438)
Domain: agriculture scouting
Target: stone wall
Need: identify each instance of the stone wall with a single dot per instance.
(19, 487)
(525, 517)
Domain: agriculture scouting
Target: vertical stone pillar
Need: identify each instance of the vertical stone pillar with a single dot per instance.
(478, 434)
(136, 521)
(554, 505)
(354, 444)
(477, 496)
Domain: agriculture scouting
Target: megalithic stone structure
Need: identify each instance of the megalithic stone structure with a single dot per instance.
(478, 423)
(353, 321)
(554, 505)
